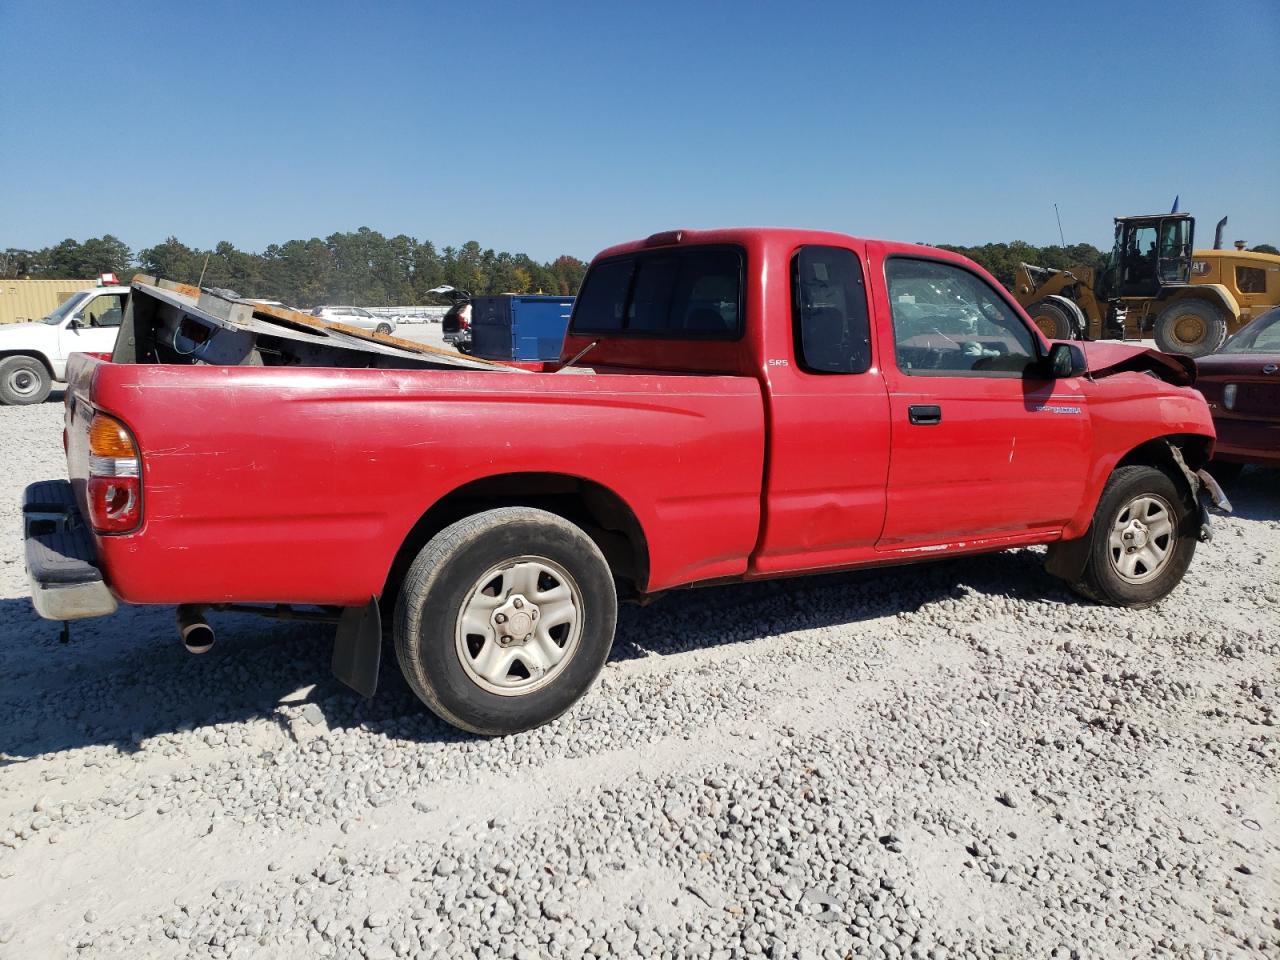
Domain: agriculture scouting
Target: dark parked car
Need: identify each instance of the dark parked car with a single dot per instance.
(1242, 384)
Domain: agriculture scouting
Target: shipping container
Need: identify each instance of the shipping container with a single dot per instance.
(515, 327)
(22, 300)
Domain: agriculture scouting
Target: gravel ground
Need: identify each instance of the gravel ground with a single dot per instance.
(950, 760)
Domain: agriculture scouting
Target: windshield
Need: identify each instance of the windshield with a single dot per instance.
(67, 306)
(1261, 336)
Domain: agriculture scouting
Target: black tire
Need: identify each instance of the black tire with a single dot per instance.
(1054, 320)
(443, 577)
(24, 380)
(1192, 328)
(1101, 580)
(1225, 471)
(382, 328)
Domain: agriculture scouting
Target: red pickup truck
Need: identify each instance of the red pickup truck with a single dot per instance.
(730, 405)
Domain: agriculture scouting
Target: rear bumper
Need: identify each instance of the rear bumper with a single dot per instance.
(62, 564)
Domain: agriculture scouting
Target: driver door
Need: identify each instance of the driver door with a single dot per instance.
(96, 325)
(984, 444)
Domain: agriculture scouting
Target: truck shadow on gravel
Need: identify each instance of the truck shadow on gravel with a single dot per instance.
(125, 680)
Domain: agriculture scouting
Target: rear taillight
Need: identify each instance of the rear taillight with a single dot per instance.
(115, 477)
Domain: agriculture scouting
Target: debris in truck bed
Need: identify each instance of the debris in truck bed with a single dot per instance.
(167, 322)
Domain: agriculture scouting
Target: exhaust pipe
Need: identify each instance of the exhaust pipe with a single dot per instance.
(1217, 234)
(196, 634)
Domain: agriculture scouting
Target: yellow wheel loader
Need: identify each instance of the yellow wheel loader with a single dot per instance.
(1154, 286)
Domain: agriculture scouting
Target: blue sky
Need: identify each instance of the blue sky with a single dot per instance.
(558, 128)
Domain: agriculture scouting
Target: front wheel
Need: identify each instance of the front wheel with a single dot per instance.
(24, 380)
(1192, 328)
(505, 619)
(382, 328)
(1144, 536)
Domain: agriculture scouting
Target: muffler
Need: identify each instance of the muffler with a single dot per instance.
(196, 634)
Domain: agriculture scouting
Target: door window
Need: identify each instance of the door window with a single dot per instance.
(1139, 256)
(105, 311)
(949, 322)
(1175, 251)
(829, 311)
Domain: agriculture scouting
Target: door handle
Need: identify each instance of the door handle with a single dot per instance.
(924, 415)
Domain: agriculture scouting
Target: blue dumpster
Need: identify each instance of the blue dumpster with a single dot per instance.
(516, 327)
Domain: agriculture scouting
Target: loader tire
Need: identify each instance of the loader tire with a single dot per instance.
(1192, 328)
(1053, 320)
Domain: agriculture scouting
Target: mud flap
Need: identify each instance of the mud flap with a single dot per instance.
(357, 648)
(1066, 559)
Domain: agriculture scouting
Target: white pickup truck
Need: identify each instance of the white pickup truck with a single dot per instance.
(34, 355)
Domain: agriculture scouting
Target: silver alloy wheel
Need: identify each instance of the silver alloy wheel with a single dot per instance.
(23, 382)
(1142, 538)
(519, 626)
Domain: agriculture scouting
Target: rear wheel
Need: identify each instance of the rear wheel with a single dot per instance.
(1054, 320)
(505, 620)
(1144, 536)
(1190, 327)
(24, 380)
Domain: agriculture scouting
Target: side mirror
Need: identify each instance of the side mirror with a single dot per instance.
(74, 324)
(1066, 360)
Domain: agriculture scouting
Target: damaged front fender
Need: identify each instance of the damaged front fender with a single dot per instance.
(1067, 558)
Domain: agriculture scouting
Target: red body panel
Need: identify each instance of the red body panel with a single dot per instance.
(294, 485)
(299, 486)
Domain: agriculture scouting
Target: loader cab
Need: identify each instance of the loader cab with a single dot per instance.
(1151, 253)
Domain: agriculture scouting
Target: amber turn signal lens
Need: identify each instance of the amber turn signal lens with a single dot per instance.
(109, 438)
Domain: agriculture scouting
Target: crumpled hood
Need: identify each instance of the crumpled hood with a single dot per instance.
(1105, 359)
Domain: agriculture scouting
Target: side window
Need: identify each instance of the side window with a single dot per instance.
(695, 293)
(651, 295)
(1251, 280)
(105, 311)
(603, 298)
(829, 311)
(948, 322)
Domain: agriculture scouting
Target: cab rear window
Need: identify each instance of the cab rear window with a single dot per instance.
(695, 293)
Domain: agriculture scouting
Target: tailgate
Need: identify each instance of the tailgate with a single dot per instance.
(77, 414)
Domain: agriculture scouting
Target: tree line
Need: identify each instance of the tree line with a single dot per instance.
(361, 267)
(366, 268)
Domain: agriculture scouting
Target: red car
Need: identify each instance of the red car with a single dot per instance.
(729, 405)
(1242, 384)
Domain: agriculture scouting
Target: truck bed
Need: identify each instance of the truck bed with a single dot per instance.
(321, 474)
